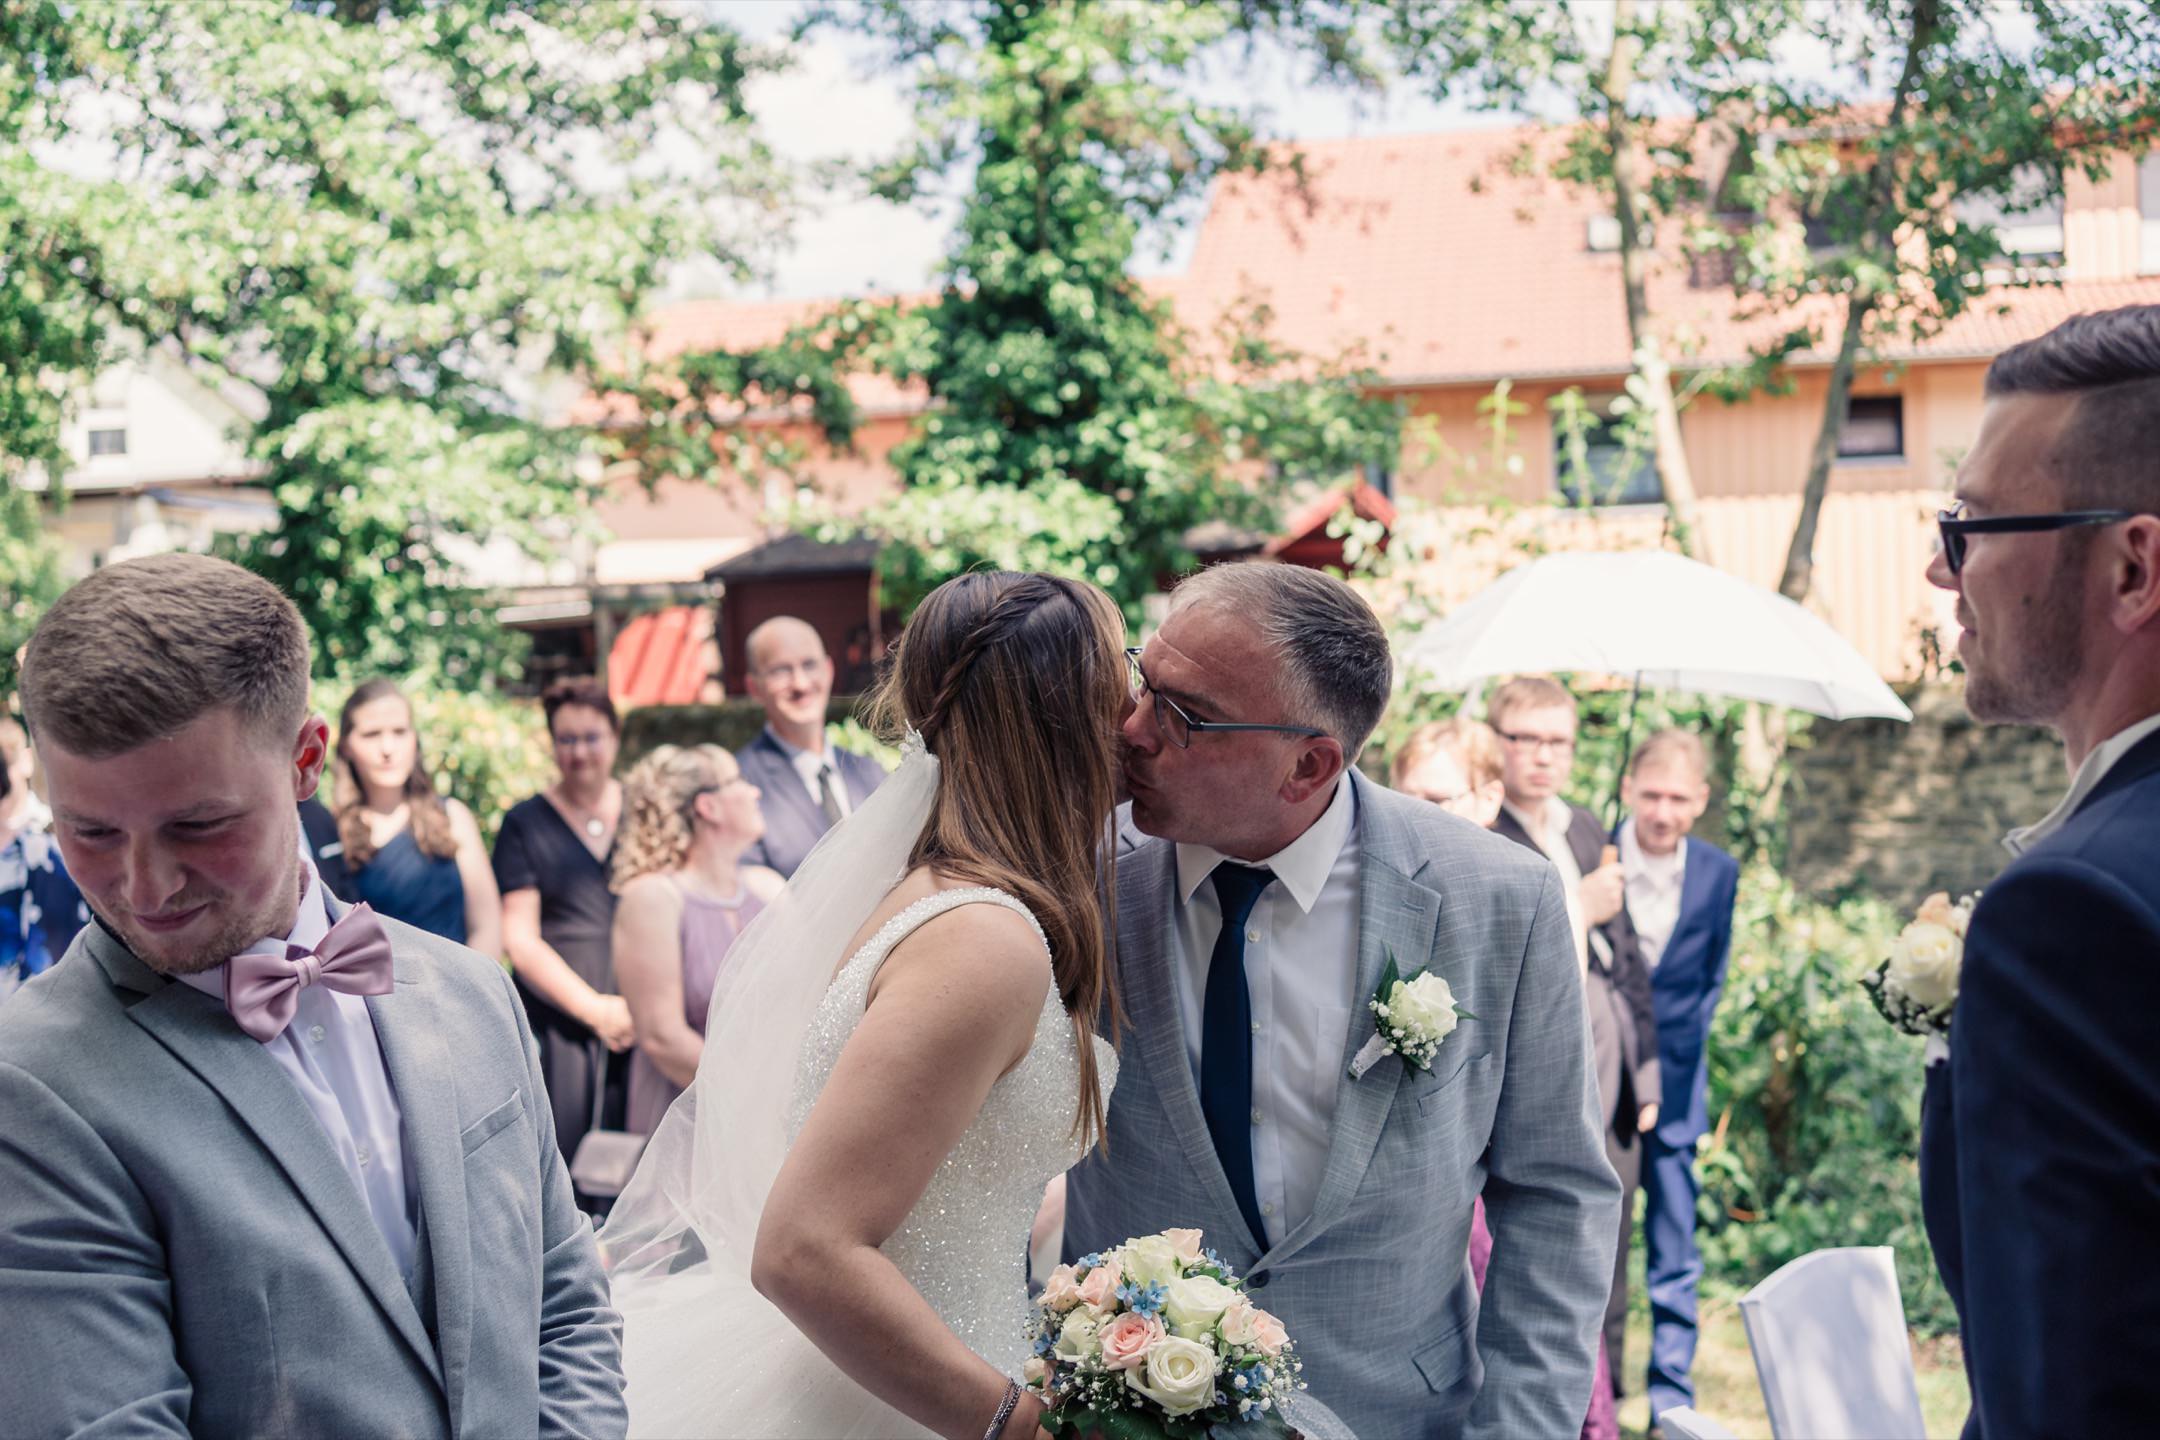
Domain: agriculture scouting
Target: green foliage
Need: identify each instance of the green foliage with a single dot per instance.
(484, 748)
(389, 219)
(1814, 1099)
(1074, 427)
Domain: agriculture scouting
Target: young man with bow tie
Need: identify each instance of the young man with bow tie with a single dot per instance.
(273, 1165)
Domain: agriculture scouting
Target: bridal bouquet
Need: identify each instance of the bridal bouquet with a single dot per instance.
(1157, 1338)
(1916, 986)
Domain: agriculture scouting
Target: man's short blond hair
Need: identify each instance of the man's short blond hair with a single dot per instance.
(1471, 744)
(1667, 746)
(143, 649)
(1526, 692)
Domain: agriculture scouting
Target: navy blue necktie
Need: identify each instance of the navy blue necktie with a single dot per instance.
(1226, 1040)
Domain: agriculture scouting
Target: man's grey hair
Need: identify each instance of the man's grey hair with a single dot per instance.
(1336, 670)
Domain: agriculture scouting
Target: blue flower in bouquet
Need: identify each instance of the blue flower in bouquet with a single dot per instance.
(1143, 1299)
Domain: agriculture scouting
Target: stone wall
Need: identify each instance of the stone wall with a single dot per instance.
(1902, 810)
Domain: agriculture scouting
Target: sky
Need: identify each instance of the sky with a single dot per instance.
(830, 105)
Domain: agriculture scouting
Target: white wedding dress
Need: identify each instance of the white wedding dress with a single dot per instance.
(706, 1355)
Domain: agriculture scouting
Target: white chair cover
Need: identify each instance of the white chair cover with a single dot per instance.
(1831, 1349)
(1682, 1423)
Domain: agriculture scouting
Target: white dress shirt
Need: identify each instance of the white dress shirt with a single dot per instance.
(1549, 833)
(2088, 777)
(1653, 891)
(1301, 945)
(331, 1055)
(809, 764)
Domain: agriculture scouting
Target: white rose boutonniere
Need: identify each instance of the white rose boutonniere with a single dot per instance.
(1416, 1013)
(1916, 986)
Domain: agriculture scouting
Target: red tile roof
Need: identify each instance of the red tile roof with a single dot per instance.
(1447, 262)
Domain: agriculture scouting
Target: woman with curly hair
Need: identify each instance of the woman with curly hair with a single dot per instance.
(683, 896)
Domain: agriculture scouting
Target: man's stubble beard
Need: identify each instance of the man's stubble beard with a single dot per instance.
(2051, 662)
(236, 935)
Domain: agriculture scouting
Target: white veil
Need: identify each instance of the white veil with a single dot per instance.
(689, 1216)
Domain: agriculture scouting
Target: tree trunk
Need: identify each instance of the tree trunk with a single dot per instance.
(1629, 161)
(1876, 236)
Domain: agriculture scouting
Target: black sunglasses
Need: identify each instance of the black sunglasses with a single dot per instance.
(1955, 526)
(1179, 728)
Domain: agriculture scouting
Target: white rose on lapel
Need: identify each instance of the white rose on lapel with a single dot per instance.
(1916, 987)
(1415, 1015)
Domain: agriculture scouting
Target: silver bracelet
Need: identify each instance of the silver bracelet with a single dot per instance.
(1004, 1411)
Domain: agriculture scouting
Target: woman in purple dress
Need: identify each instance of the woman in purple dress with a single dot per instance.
(683, 896)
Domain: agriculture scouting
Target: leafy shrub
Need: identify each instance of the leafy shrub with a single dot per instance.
(1814, 1100)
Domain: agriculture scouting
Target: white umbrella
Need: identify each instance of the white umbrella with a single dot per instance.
(1660, 620)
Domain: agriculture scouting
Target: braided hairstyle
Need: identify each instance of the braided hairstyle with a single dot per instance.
(1017, 684)
(657, 827)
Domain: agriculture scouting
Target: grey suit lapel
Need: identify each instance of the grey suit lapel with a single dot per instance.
(420, 1069)
(1395, 914)
(198, 1032)
(1147, 907)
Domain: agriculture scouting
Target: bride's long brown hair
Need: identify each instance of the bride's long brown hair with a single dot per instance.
(1017, 684)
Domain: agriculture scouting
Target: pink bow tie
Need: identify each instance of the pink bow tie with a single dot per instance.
(262, 991)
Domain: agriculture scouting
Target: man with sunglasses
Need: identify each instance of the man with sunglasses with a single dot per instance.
(2040, 1148)
(1263, 888)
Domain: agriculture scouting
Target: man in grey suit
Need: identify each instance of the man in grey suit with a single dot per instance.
(1346, 1202)
(810, 784)
(272, 1165)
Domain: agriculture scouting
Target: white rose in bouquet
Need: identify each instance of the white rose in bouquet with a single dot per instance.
(1150, 1260)
(1195, 1303)
(1077, 1340)
(1179, 1375)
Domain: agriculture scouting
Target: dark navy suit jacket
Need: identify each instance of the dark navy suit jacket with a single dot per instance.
(2040, 1146)
(1685, 986)
(793, 821)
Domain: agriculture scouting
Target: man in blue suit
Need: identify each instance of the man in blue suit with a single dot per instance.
(2040, 1138)
(810, 784)
(1680, 899)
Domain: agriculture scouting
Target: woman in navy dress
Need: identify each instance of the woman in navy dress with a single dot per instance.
(413, 854)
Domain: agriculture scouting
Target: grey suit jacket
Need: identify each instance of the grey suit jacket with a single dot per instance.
(181, 1250)
(793, 822)
(1375, 1285)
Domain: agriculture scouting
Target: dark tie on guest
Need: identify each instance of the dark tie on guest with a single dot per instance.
(1226, 1039)
(828, 796)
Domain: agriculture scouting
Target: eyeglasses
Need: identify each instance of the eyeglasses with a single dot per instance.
(1540, 744)
(593, 741)
(1956, 526)
(1179, 728)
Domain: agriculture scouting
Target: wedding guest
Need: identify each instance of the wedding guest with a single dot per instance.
(326, 848)
(413, 855)
(2040, 1138)
(551, 863)
(683, 896)
(272, 1166)
(40, 908)
(809, 783)
(1680, 900)
(1456, 765)
(1535, 720)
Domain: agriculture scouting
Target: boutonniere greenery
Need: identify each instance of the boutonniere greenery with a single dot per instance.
(1415, 1013)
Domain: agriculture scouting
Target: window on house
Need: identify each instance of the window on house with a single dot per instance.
(108, 442)
(1380, 477)
(1874, 428)
(1606, 477)
(2028, 215)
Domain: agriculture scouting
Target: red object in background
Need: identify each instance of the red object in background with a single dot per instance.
(1305, 539)
(663, 657)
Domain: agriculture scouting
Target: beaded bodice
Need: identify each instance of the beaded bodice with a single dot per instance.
(964, 1245)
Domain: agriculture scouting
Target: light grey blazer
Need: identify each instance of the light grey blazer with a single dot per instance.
(181, 1251)
(1375, 1286)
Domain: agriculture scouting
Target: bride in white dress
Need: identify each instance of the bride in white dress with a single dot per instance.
(828, 1233)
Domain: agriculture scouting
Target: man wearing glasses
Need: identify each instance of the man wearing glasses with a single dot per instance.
(1264, 887)
(1535, 718)
(2040, 1137)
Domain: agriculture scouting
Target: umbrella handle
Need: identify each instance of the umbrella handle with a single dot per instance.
(1610, 855)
